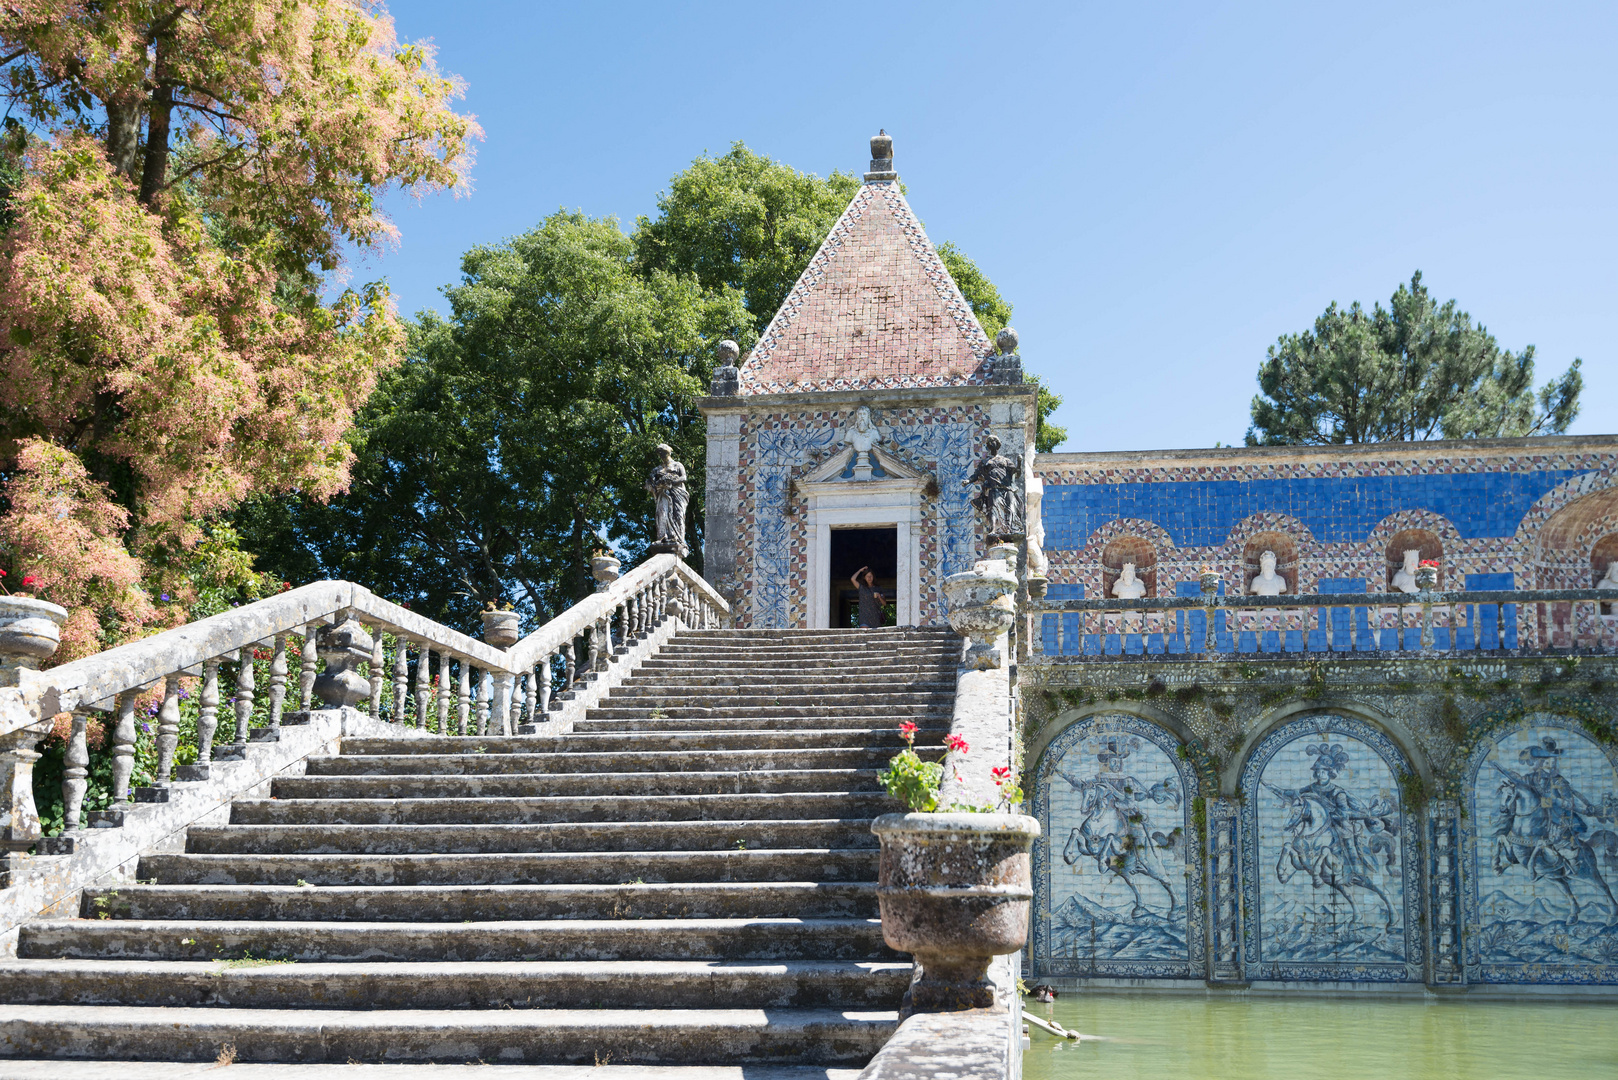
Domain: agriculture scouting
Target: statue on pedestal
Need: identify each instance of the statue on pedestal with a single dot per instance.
(863, 437)
(1128, 586)
(1268, 582)
(666, 482)
(998, 498)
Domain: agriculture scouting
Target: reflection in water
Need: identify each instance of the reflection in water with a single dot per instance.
(1218, 1038)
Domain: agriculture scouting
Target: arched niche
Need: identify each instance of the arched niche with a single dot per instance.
(1331, 863)
(1424, 541)
(1540, 852)
(1286, 558)
(1129, 549)
(1117, 871)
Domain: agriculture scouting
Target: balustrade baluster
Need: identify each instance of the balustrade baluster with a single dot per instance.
(245, 685)
(278, 687)
(401, 679)
(530, 697)
(123, 749)
(502, 702)
(623, 624)
(1059, 621)
(208, 712)
(306, 677)
(423, 678)
(567, 678)
(592, 646)
(463, 707)
(75, 772)
(379, 659)
(168, 731)
(443, 693)
(485, 691)
(546, 674)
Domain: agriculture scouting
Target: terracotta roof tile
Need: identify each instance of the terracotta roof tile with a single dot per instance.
(875, 307)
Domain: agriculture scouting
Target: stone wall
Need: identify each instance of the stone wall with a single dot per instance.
(1370, 822)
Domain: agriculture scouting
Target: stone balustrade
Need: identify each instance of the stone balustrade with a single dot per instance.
(332, 643)
(1459, 621)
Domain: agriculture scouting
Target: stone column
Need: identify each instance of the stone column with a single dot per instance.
(721, 529)
(1224, 854)
(1446, 966)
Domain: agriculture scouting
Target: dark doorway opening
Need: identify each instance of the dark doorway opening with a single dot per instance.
(852, 549)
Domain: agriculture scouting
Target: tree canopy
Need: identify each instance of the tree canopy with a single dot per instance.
(1413, 370)
(182, 179)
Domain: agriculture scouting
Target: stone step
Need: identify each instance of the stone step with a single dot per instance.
(553, 939)
(869, 670)
(618, 761)
(562, 809)
(592, 742)
(532, 868)
(484, 903)
(908, 678)
(755, 697)
(70, 1069)
(644, 723)
(850, 659)
(534, 984)
(574, 785)
(565, 836)
(550, 1036)
(906, 633)
(895, 713)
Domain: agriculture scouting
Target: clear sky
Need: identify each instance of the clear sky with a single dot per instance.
(1160, 189)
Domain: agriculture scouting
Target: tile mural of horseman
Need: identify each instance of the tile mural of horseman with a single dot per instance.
(1114, 800)
(1543, 828)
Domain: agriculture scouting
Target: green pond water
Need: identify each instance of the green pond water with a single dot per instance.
(1164, 1037)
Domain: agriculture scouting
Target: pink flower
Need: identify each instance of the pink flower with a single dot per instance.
(907, 731)
(956, 743)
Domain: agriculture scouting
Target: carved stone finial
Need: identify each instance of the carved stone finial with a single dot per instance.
(1007, 367)
(726, 380)
(881, 158)
(343, 647)
(1006, 341)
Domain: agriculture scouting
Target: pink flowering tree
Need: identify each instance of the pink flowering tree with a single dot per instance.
(181, 179)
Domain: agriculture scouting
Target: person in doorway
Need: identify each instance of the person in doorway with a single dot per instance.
(871, 601)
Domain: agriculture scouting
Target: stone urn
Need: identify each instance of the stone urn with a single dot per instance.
(500, 628)
(955, 892)
(983, 604)
(606, 569)
(30, 631)
(1426, 578)
(344, 647)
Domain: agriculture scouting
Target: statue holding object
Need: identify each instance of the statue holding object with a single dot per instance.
(999, 497)
(666, 482)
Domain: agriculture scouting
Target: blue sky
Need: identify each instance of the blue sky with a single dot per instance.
(1160, 189)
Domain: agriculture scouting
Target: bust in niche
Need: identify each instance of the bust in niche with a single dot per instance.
(1268, 582)
(1128, 586)
(1610, 579)
(863, 437)
(1404, 579)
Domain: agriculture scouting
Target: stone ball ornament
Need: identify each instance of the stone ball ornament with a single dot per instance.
(1006, 341)
(983, 605)
(955, 891)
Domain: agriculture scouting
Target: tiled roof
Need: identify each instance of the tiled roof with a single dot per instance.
(874, 308)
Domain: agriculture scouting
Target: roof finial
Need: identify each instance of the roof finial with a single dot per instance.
(881, 157)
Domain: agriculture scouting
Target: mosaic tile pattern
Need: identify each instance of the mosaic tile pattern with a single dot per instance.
(874, 308)
(1117, 865)
(1330, 891)
(1541, 850)
(777, 449)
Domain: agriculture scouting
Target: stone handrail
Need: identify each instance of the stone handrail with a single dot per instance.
(489, 689)
(1423, 621)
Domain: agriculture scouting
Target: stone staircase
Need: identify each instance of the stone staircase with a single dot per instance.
(688, 879)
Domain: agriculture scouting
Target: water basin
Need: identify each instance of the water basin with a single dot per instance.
(1164, 1037)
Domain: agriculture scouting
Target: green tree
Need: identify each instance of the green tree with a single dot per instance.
(1413, 370)
(516, 437)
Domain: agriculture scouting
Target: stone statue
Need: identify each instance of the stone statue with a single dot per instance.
(667, 484)
(1128, 586)
(1405, 578)
(1038, 566)
(998, 498)
(1610, 581)
(1268, 582)
(863, 436)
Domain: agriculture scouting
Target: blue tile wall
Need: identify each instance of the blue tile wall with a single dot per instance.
(1201, 513)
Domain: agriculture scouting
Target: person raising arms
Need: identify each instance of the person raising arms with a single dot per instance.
(871, 601)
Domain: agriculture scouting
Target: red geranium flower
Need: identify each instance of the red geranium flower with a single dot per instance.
(30, 581)
(907, 731)
(956, 743)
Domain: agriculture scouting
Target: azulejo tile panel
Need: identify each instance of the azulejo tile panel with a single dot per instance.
(1541, 843)
(1330, 890)
(1119, 874)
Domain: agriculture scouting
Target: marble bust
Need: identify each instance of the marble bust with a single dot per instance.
(1404, 579)
(863, 437)
(1268, 582)
(1128, 586)
(1610, 580)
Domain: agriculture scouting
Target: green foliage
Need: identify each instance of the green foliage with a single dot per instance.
(517, 436)
(1413, 370)
(913, 781)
